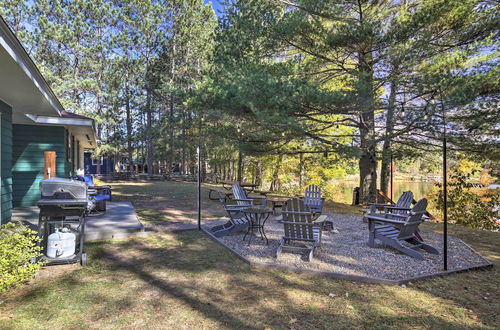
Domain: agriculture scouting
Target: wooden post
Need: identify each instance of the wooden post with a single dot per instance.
(49, 170)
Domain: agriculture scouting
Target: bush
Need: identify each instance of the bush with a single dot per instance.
(472, 207)
(18, 246)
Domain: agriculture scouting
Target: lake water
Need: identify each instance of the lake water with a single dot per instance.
(418, 188)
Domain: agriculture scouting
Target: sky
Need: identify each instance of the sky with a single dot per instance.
(217, 6)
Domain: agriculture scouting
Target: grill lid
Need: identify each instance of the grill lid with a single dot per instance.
(59, 188)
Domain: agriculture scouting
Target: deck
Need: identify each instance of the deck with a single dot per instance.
(119, 221)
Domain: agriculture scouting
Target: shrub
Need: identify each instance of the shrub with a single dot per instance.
(18, 246)
(472, 207)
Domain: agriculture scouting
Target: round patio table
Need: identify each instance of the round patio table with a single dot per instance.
(256, 217)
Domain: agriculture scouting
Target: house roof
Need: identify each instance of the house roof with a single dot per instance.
(67, 114)
(24, 88)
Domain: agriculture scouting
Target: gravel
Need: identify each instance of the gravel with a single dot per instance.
(347, 252)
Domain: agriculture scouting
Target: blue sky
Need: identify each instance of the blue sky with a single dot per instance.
(217, 6)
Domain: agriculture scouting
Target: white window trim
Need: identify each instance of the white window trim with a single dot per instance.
(94, 162)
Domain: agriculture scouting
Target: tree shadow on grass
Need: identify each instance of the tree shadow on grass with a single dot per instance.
(184, 279)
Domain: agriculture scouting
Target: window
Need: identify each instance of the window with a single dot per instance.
(94, 161)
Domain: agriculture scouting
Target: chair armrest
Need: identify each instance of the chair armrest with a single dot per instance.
(242, 199)
(402, 216)
(397, 208)
(382, 219)
(321, 219)
(420, 212)
(379, 204)
(297, 212)
(235, 206)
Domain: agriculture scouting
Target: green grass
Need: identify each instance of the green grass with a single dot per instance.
(184, 280)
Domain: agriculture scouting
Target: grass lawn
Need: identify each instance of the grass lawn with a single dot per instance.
(184, 280)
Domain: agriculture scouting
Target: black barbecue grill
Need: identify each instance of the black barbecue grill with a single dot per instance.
(63, 205)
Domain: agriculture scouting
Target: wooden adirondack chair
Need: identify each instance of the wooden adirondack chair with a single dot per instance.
(394, 231)
(300, 227)
(237, 221)
(313, 200)
(241, 198)
(402, 206)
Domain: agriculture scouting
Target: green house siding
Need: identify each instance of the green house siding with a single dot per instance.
(29, 144)
(6, 162)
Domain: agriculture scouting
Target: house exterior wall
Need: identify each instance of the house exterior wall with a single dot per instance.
(29, 144)
(6, 162)
(74, 161)
(107, 166)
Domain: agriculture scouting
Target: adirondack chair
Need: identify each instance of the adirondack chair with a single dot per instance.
(399, 230)
(241, 198)
(313, 200)
(300, 228)
(402, 205)
(237, 221)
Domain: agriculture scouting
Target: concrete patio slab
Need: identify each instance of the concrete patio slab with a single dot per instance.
(119, 221)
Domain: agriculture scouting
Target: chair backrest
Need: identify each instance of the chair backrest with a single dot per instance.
(297, 220)
(413, 220)
(89, 181)
(405, 199)
(239, 193)
(312, 198)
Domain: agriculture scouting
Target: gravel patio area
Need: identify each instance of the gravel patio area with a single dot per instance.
(347, 252)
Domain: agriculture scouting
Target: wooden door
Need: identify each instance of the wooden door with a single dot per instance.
(49, 170)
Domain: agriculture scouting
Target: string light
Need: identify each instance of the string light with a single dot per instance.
(426, 116)
(238, 129)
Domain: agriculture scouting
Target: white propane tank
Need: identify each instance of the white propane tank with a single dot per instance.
(61, 244)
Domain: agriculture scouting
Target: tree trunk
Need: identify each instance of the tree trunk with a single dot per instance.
(275, 182)
(149, 135)
(385, 171)
(301, 170)
(240, 166)
(171, 136)
(215, 172)
(258, 174)
(231, 169)
(129, 125)
(368, 160)
(183, 162)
